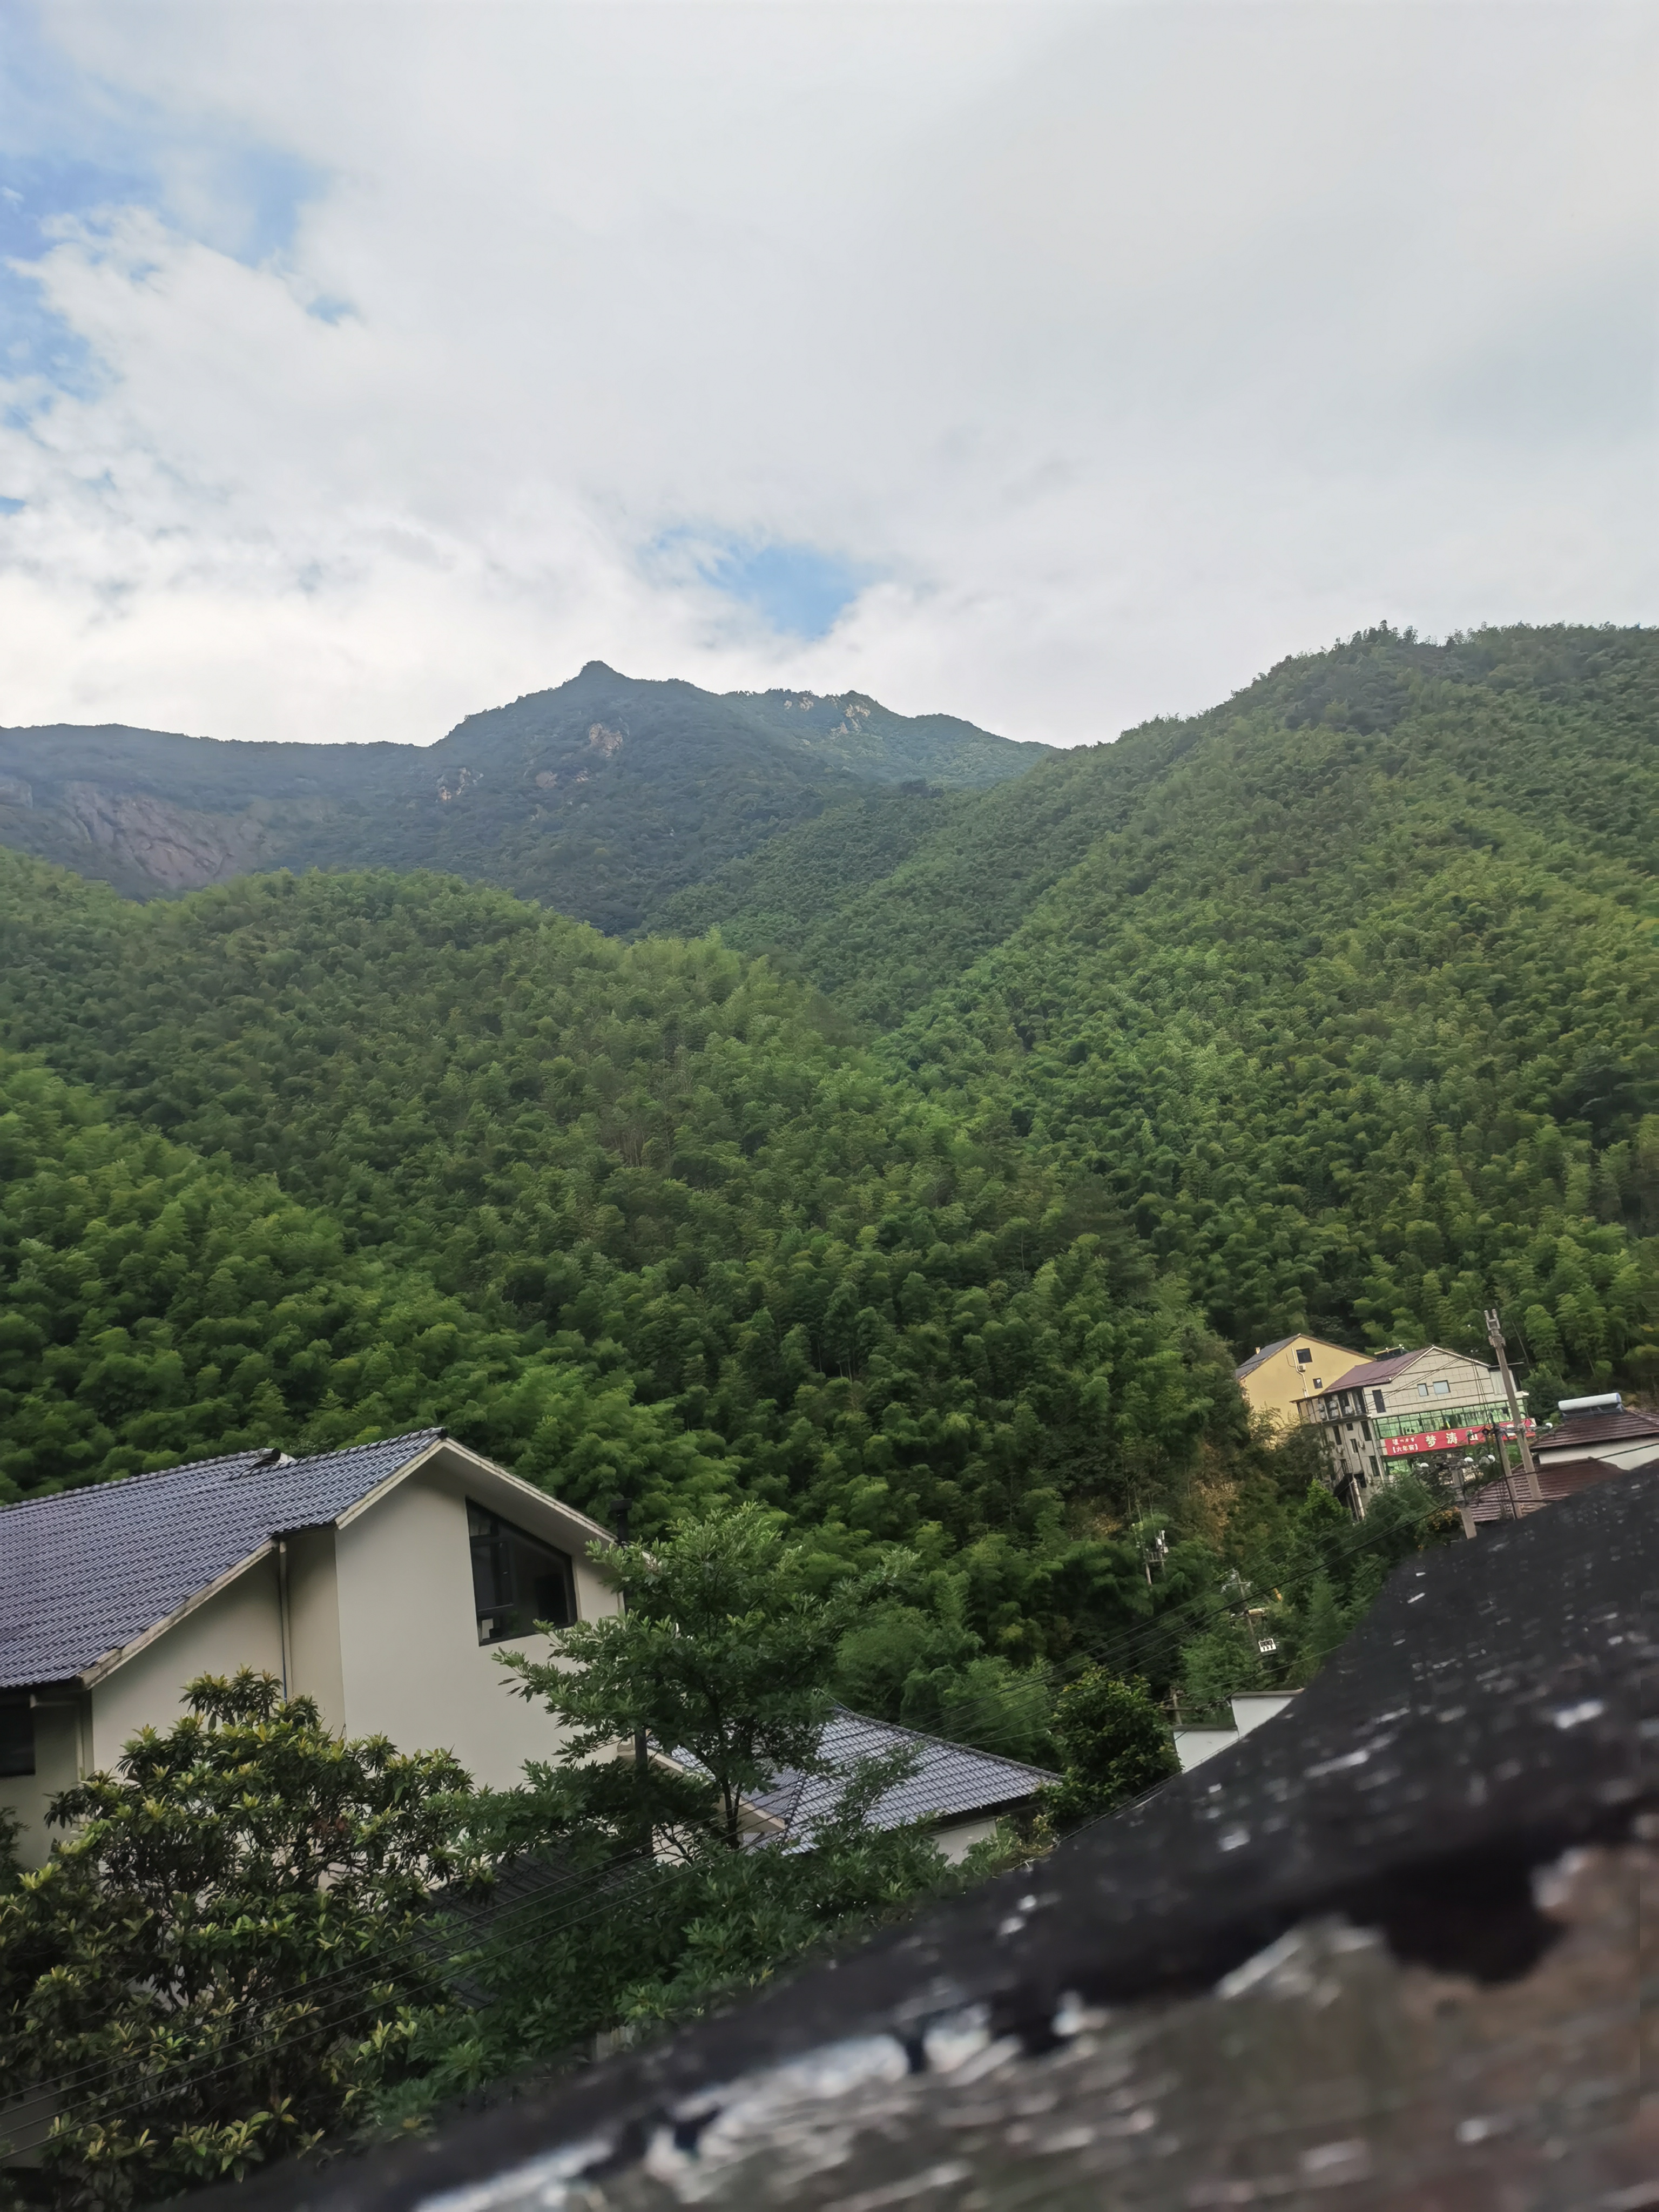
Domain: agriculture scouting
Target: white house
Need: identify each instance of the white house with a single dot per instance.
(1619, 1438)
(382, 1581)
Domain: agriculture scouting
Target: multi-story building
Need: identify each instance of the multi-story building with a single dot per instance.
(1276, 1378)
(1407, 1406)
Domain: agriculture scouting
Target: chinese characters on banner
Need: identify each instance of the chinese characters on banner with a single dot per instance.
(1428, 1440)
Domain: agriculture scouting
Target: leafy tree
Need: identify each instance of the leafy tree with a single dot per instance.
(621, 1947)
(723, 1654)
(1115, 1745)
(1323, 1627)
(219, 1960)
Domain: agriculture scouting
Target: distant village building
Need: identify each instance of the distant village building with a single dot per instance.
(1277, 1377)
(1407, 1406)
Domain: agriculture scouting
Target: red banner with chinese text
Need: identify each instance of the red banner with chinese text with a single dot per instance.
(1429, 1440)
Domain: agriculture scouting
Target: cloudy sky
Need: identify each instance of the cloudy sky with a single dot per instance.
(366, 364)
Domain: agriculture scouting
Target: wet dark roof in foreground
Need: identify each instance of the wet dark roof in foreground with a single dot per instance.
(88, 1570)
(1493, 1711)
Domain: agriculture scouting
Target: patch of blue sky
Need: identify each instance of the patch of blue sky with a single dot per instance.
(799, 591)
(71, 147)
(34, 341)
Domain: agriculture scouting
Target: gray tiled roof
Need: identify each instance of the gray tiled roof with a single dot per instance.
(88, 1570)
(951, 1782)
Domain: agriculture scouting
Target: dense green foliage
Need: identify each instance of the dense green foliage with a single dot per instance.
(155, 1306)
(646, 1167)
(1114, 1744)
(1345, 991)
(219, 1959)
(618, 1949)
(1331, 1006)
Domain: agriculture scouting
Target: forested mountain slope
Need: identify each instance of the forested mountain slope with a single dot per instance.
(852, 731)
(1335, 1004)
(601, 798)
(344, 1152)
(1346, 991)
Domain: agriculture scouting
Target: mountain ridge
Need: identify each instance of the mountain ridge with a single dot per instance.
(601, 796)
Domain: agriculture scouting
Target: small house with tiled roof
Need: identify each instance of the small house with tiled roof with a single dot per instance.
(380, 1580)
(1621, 1437)
(957, 1792)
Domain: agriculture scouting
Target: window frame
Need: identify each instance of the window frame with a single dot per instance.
(521, 1606)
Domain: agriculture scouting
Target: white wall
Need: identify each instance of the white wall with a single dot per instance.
(411, 1664)
(954, 1841)
(240, 1627)
(313, 1623)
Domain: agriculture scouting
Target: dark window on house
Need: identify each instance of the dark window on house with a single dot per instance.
(1377, 1397)
(516, 1580)
(1304, 1358)
(17, 1739)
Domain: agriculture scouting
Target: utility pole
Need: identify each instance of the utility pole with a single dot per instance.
(1528, 1471)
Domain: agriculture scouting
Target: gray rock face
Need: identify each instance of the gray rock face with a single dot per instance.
(175, 848)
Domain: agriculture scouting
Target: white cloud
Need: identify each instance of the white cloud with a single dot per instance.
(1123, 349)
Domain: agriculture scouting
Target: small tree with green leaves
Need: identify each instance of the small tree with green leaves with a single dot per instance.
(1115, 1745)
(218, 1960)
(725, 1652)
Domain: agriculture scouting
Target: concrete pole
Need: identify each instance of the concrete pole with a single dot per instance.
(1528, 1471)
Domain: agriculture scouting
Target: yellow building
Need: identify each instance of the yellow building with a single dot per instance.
(1277, 1377)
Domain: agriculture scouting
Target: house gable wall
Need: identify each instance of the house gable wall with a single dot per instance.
(411, 1665)
(1273, 1388)
(240, 1625)
(313, 1623)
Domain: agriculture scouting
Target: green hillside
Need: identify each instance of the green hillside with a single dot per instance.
(601, 798)
(854, 731)
(635, 1221)
(1346, 991)
(944, 1225)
